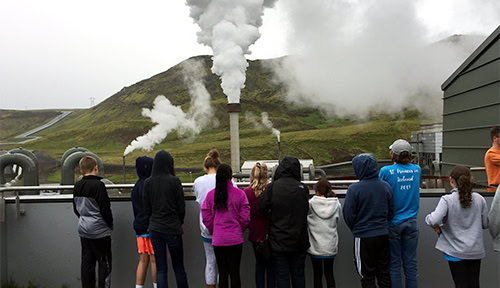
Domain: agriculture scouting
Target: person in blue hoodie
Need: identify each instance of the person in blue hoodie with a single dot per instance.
(368, 209)
(143, 167)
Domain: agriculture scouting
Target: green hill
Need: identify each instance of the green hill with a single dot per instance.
(109, 127)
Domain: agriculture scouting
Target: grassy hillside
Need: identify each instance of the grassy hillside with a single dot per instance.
(15, 122)
(108, 128)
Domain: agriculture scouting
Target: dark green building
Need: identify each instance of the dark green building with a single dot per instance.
(472, 107)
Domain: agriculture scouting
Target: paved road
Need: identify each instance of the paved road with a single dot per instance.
(38, 129)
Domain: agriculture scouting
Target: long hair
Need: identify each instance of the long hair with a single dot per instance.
(258, 178)
(212, 160)
(324, 188)
(224, 173)
(462, 177)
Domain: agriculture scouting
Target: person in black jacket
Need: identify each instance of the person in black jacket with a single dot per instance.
(143, 167)
(95, 222)
(165, 206)
(368, 209)
(285, 203)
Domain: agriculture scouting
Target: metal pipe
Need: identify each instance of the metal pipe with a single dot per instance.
(124, 179)
(234, 109)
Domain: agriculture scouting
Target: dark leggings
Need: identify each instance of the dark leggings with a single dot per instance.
(323, 266)
(465, 273)
(228, 263)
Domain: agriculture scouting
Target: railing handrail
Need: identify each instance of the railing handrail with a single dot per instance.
(130, 186)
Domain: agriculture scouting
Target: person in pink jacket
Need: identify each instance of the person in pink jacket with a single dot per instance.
(226, 214)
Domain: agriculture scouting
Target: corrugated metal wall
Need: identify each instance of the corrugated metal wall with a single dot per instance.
(472, 107)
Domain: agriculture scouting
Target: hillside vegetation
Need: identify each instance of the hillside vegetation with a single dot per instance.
(109, 127)
(15, 122)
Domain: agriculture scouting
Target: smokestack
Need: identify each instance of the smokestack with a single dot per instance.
(233, 109)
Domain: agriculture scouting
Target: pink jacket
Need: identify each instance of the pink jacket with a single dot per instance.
(227, 226)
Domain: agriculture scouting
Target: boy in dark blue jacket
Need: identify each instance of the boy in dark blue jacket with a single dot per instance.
(143, 167)
(368, 209)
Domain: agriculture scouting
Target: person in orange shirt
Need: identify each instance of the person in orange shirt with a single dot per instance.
(492, 160)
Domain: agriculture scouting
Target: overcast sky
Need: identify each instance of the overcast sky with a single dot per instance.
(60, 53)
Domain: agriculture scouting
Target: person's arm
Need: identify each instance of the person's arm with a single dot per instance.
(265, 201)
(146, 199)
(208, 212)
(494, 158)
(104, 204)
(390, 204)
(181, 202)
(435, 218)
(350, 208)
(494, 215)
(244, 212)
(74, 207)
(484, 213)
(381, 174)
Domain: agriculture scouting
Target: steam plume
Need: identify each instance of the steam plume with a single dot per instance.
(229, 28)
(169, 117)
(357, 57)
(269, 124)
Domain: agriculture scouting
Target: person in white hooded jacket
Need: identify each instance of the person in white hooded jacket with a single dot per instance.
(322, 221)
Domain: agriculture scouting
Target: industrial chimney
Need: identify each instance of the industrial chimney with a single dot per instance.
(233, 109)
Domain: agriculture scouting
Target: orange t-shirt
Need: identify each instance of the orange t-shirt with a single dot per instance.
(492, 165)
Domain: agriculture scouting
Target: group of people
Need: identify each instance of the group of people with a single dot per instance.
(285, 224)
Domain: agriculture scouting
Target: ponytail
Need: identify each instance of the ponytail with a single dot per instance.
(258, 178)
(463, 179)
(224, 174)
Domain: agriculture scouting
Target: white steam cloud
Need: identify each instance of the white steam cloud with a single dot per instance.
(229, 27)
(356, 57)
(265, 123)
(169, 117)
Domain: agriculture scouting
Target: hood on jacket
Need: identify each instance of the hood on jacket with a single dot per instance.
(289, 167)
(163, 164)
(143, 166)
(325, 208)
(365, 166)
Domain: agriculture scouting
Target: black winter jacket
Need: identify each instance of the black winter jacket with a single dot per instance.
(92, 206)
(164, 197)
(143, 167)
(285, 202)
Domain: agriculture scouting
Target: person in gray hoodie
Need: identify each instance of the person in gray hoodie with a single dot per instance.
(494, 220)
(459, 219)
(322, 221)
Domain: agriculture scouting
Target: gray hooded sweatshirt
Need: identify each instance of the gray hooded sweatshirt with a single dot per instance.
(461, 228)
(494, 218)
(322, 221)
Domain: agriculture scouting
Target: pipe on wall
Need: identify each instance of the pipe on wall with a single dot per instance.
(28, 163)
(72, 160)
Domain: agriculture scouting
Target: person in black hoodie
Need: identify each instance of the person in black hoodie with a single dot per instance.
(165, 206)
(285, 203)
(368, 209)
(95, 223)
(143, 167)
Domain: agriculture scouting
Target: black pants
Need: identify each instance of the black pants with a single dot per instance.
(289, 266)
(263, 270)
(372, 257)
(96, 251)
(228, 263)
(465, 273)
(323, 266)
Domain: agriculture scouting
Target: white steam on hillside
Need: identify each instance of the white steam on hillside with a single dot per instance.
(169, 117)
(357, 57)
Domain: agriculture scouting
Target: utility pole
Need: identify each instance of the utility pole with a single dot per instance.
(92, 103)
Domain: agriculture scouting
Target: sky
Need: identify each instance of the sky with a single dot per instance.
(60, 54)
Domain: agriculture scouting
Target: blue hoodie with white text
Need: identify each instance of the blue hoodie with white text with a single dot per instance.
(369, 205)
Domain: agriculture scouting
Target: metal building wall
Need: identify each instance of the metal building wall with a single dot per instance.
(43, 246)
(472, 106)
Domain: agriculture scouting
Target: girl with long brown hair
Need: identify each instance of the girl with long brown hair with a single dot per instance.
(459, 219)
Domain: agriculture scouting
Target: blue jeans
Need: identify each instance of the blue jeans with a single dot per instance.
(403, 240)
(289, 264)
(160, 242)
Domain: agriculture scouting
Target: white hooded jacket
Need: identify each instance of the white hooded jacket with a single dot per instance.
(322, 220)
